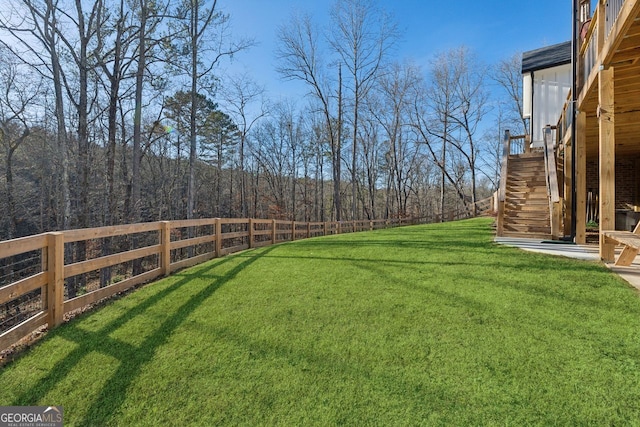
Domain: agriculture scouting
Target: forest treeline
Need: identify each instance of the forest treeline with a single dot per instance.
(118, 111)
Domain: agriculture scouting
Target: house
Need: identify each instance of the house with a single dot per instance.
(526, 210)
(589, 155)
(546, 84)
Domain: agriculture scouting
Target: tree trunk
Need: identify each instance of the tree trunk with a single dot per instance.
(61, 135)
(443, 162)
(194, 12)
(134, 215)
(354, 151)
(11, 205)
(336, 153)
(114, 90)
(244, 211)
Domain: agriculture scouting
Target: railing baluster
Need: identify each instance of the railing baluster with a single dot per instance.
(613, 8)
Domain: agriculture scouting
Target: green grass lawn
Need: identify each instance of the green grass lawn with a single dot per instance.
(426, 325)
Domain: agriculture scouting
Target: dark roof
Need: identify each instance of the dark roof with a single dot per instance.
(546, 57)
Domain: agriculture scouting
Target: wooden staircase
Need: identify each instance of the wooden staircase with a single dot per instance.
(526, 203)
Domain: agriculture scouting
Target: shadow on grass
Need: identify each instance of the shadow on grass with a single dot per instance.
(132, 357)
(503, 257)
(428, 242)
(471, 256)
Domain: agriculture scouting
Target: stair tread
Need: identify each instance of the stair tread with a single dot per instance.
(532, 215)
(539, 203)
(526, 208)
(543, 236)
(526, 229)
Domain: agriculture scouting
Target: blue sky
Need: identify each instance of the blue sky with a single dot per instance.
(493, 29)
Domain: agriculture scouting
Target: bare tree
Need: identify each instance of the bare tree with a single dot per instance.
(491, 157)
(148, 20)
(35, 40)
(473, 106)
(442, 95)
(320, 147)
(114, 40)
(393, 114)
(431, 108)
(201, 31)
(363, 37)
(301, 59)
(18, 93)
(273, 154)
(240, 94)
(508, 74)
(458, 105)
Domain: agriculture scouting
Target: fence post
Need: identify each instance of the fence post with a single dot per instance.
(274, 225)
(218, 237)
(44, 262)
(293, 230)
(251, 233)
(308, 230)
(165, 247)
(55, 268)
(324, 228)
(338, 227)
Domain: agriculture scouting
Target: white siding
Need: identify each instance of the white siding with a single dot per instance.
(527, 90)
(550, 90)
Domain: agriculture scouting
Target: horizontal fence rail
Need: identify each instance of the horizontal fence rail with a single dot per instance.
(47, 277)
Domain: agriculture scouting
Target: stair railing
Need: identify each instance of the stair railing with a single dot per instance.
(553, 192)
(519, 144)
(511, 145)
(502, 191)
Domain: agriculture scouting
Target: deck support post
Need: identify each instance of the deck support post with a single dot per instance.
(567, 177)
(581, 177)
(607, 160)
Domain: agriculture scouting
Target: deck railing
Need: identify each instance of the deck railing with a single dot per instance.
(553, 191)
(565, 121)
(613, 8)
(511, 145)
(589, 49)
(518, 144)
(600, 29)
(38, 286)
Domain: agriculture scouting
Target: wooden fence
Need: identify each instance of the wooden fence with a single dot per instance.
(44, 277)
(41, 294)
